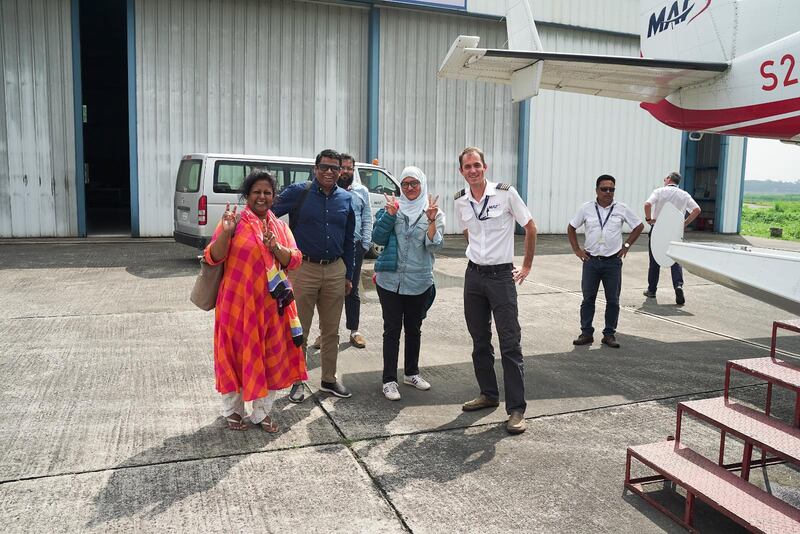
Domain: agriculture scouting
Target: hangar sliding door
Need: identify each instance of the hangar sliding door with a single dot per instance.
(37, 137)
(272, 77)
(426, 121)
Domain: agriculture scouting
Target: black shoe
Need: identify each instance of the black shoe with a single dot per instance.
(649, 294)
(336, 388)
(680, 300)
(298, 393)
(611, 341)
(583, 339)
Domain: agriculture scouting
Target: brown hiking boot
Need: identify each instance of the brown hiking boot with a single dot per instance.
(611, 341)
(516, 423)
(583, 339)
(479, 403)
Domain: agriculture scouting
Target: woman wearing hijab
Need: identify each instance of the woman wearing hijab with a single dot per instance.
(411, 230)
(257, 334)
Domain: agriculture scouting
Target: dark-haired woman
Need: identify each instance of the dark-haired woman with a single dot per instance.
(257, 334)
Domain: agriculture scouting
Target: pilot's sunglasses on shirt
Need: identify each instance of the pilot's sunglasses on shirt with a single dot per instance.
(326, 167)
(409, 185)
(608, 189)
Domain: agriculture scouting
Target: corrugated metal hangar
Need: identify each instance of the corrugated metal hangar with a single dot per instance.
(100, 98)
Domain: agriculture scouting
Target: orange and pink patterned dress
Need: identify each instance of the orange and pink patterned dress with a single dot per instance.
(254, 349)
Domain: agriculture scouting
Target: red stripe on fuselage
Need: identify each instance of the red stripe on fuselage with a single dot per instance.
(706, 119)
(780, 129)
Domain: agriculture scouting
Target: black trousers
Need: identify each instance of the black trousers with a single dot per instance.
(352, 302)
(401, 312)
(494, 293)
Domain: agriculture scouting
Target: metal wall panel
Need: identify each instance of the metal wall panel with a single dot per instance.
(272, 77)
(37, 141)
(425, 121)
(616, 16)
(575, 138)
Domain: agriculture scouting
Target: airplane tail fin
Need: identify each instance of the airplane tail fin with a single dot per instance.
(689, 30)
(523, 35)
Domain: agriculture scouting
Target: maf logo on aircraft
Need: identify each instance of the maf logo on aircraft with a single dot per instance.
(664, 21)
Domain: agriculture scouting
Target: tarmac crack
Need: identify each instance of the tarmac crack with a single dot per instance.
(348, 442)
(362, 464)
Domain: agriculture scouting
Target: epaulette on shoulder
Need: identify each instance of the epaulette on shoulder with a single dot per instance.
(460, 194)
(503, 187)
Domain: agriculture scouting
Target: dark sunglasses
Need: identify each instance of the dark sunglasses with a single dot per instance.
(325, 167)
(608, 189)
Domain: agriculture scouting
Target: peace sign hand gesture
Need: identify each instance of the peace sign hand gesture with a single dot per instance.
(433, 208)
(270, 240)
(229, 219)
(392, 204)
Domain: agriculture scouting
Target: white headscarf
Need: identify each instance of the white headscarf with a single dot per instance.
(413, 208)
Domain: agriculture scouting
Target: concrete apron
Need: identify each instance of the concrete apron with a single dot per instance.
(111, 419)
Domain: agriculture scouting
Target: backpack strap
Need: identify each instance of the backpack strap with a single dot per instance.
(295, 213)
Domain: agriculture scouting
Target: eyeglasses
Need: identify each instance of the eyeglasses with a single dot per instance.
(608, 189)
(326, 167)
(409, 185)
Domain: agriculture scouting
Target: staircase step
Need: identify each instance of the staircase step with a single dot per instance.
(738, 499)
(748, 424)
(770, 369)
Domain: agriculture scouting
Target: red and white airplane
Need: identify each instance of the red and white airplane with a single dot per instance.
(718, 66)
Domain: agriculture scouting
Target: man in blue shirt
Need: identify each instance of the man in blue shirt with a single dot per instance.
(359, 196)
(323, 222)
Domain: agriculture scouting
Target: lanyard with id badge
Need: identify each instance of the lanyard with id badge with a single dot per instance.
(603, 222)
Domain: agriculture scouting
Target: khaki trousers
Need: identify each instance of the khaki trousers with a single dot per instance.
(321, 286)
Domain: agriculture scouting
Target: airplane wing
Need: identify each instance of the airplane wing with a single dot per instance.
(629, 78)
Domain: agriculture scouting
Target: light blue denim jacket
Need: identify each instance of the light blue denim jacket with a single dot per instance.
(360, 202)
(414, 274)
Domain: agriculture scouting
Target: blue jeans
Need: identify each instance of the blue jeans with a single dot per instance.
(654, 271)
(609, 272)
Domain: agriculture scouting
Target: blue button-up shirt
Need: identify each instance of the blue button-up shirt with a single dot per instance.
(325, 223)
(360, 198)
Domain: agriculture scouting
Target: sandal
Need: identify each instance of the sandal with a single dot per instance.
(268, 425)
(235, 422)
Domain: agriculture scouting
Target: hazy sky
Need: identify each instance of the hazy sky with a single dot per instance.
(772, 160)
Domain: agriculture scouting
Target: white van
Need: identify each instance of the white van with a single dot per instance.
(206, 182)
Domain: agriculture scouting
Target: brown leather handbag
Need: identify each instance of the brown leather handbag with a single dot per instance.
(206, 286)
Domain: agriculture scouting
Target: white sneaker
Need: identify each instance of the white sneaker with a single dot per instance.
(416, 381)
(390, 391)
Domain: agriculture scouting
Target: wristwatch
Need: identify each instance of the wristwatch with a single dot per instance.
(626, 245)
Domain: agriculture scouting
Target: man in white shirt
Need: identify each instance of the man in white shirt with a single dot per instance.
(486, 212)
(602, 256)
(685, 203)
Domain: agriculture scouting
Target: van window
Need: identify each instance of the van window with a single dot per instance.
(229, 175)
(299, 175)
(378, 182)
(189, 176)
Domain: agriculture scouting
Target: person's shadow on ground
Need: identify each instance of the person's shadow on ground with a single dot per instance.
(154, 480)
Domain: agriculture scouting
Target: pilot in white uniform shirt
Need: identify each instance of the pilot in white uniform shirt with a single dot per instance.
(603, 232)
(490, 222)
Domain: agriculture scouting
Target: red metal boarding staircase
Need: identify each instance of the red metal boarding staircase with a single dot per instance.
(713, 482)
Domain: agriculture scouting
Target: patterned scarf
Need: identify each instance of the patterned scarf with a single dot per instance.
(278, 284)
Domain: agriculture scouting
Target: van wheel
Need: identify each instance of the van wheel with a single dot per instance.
(374, 251)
